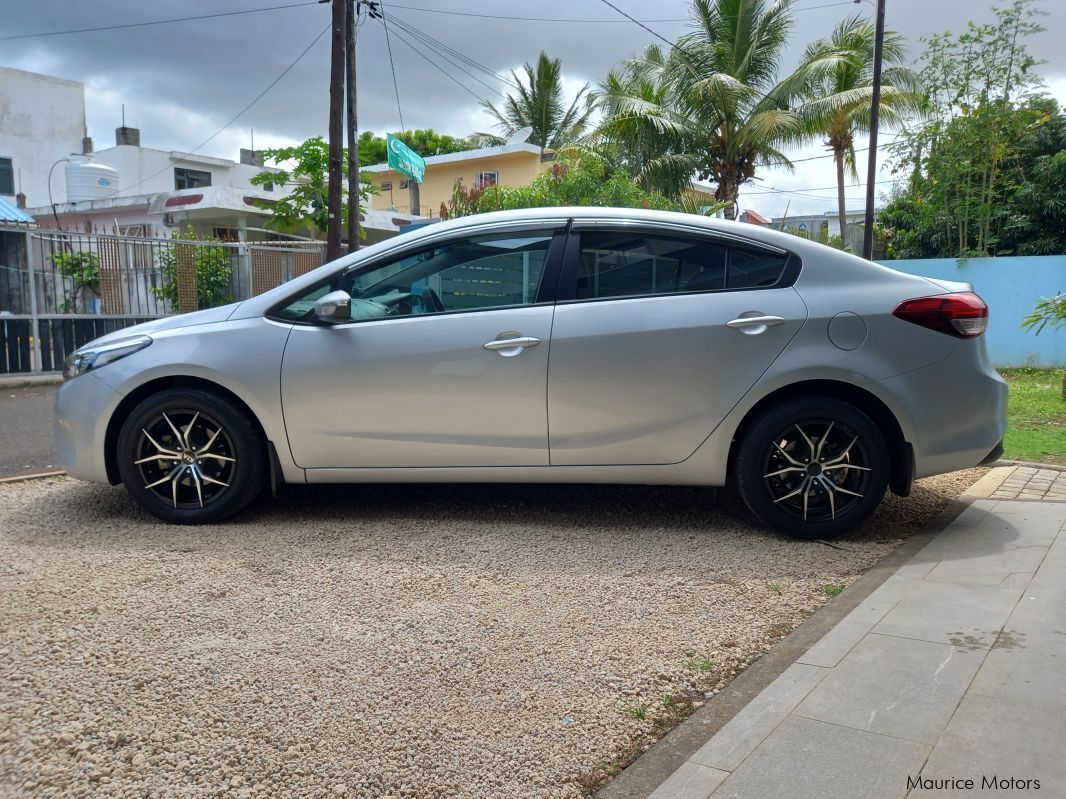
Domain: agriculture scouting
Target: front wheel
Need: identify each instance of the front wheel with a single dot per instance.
(813, 467)
(189, 456)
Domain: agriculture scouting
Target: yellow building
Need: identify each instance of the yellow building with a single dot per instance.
(507, 165)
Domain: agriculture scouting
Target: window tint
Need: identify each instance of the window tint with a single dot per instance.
(466, 275)
(628, 264)
(749, 269)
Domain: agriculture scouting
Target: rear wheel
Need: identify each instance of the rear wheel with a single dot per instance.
(189, 456)
(813, 467)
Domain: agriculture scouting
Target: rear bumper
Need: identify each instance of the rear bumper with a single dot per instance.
(993, 456)
(954, 413)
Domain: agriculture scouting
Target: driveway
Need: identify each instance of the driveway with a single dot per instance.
(386, 641)
(26, 421)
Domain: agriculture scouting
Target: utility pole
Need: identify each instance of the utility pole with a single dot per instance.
(875, 114)
(336, 140)
(353, 127)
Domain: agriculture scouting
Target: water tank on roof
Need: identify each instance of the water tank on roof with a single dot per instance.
(90, 180)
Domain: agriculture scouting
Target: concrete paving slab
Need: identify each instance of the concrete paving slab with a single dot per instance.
(990, 570)
(738, 739)
(806, 759)
(691, 781)
(894, 686)
(990, 738)
(946, 612)
(1024, 668)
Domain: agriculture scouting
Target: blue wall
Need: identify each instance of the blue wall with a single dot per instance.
(1011, 287)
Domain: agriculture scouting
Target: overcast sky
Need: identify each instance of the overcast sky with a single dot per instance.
(181, 82)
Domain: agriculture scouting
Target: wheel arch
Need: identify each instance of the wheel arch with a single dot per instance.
(901, 453)
(147, 389)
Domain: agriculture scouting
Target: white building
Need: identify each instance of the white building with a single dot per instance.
(42, 120)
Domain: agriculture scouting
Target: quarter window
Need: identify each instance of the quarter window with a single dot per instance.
(632, 264)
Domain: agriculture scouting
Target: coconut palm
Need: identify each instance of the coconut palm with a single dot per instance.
(840, 93)
(713, 105)
(538, 103)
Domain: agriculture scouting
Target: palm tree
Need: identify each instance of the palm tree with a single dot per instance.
(840, 94)
(713, 105)
(538, 104)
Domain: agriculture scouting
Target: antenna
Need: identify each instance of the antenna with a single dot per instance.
(123, 115)
(252, 144)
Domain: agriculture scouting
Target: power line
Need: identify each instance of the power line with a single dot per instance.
(578, 19)
(154, 22)
(455, 53)
(436, 66)
(241, 113)
(392, 65)
(445, 52)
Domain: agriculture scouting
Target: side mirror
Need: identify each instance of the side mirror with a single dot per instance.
(334, 308)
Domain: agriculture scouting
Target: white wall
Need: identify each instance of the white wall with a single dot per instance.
(42, 119)
(143, 170)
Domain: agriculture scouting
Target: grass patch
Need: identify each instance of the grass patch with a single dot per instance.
(638, 712)
(1036, 416)
(700, 663)
(775, 588)
(834, 590)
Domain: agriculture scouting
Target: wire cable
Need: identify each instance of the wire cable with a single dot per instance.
(431, 44)
(392, 65)
(436, 66)
(154, 22)
(447, 50)
(240, 113)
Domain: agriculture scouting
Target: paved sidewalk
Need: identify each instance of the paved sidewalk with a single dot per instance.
(1032, 482)
(951, 670)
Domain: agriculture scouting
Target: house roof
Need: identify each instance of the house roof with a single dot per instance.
(754, 217)
(11, 214)
(466, 155)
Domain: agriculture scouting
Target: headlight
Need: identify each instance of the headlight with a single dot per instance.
(88, 358)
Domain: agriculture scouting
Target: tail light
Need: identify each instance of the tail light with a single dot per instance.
(963, 314)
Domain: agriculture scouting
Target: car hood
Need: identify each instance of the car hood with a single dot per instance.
(205, 317)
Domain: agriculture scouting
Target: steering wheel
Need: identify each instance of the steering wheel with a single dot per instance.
(431, 300)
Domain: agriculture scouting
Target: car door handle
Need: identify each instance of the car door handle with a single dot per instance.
(751, 321)
(516, 343)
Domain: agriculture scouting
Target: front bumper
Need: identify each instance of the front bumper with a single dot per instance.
(83, 406)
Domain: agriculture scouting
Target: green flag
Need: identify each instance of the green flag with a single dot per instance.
(403, 159)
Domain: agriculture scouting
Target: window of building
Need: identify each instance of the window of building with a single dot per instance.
(386, 185)
(190, 178)
(7, 177)
(486, 179)
(405, 184)
(633, 264)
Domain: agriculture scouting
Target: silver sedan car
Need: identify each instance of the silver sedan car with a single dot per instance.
(556, 345)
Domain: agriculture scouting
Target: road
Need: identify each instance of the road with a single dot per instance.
(26, 429)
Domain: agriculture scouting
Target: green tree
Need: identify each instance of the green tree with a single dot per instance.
(214, 269)
(306, 168)
(82, 269)
(839, 96)
(424, 142)
(713, 105)
(984, 136)
(573, 180)
(538, 103)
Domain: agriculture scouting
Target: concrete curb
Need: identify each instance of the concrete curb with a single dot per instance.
(652, 768)
(23, 476)
(1032, 465)
(16, 381)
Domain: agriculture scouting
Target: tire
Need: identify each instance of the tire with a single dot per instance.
(212, 458)
(812, 467)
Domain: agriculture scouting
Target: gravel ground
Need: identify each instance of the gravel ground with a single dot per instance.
(472, 641)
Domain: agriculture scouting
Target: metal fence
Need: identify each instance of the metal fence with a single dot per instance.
(59, 290)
